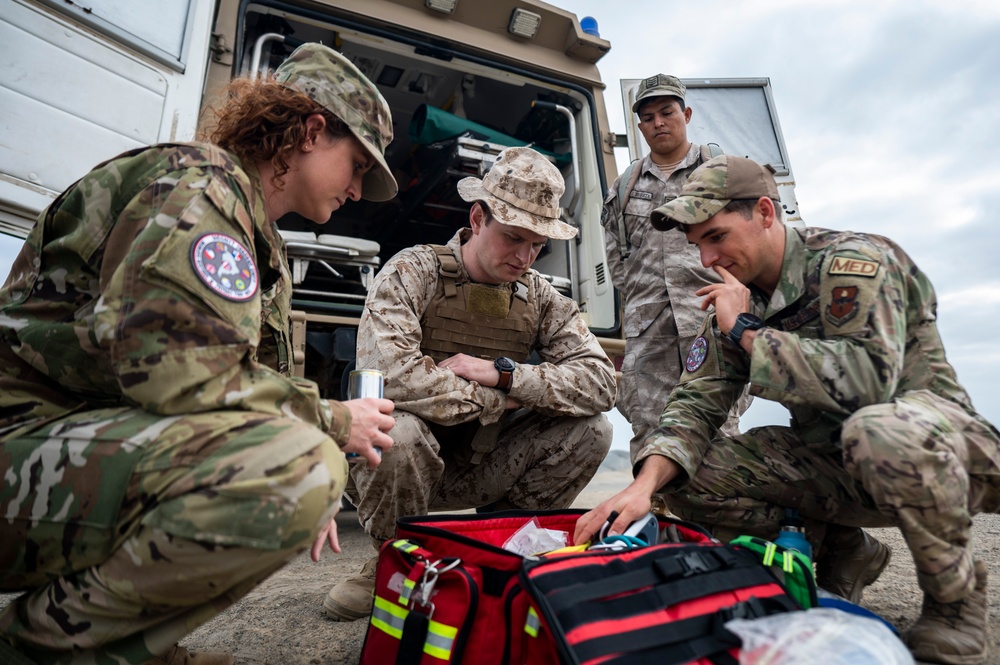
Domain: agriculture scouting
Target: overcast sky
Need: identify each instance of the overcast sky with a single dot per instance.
(890, 112)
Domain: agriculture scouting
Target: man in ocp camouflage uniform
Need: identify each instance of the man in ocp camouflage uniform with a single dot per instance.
(159, 460)
(839, 327)
(452, 328)
(655, 273)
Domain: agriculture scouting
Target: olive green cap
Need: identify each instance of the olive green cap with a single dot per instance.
(333, 82)
(711, 187)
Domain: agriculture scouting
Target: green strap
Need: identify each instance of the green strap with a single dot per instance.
(626, 183)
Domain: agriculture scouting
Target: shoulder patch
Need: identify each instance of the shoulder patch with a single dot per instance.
(848, 265)
(225, 266)
(843, 305)
(696, 355)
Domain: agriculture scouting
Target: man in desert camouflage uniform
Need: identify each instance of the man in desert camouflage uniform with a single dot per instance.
(656, 274)
(452, 328)
(159, 459)
(839, 327)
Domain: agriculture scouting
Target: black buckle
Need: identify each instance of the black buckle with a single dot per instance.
(693, 563)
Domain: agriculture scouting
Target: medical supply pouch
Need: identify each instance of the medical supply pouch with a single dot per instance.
(446, 590)
(665, 604)
(793, 568)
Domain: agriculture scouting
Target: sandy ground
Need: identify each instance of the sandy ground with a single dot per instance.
(282, 621)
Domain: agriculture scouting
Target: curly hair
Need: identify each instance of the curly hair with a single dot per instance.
(263, 120)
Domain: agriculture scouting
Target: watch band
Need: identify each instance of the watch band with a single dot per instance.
(744, 322)
(505, 366)
(506, 379)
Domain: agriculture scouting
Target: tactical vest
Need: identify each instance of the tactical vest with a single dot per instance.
(477, 319)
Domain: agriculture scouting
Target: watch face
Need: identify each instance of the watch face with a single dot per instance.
(504, 364)
(750, 321)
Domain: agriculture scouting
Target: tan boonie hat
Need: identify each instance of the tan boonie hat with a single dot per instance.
(712, 186)
(333, 82)
(660, 85)
(523, 189)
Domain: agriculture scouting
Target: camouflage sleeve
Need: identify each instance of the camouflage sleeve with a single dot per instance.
(389, 337)
(713, 377)
(858, 358)
(575, 377)
(609, 220)
(177, 344)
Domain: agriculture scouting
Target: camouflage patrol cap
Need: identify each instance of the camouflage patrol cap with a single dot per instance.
(710, 189)
(660, 85)
(523, 189)
(333, 82)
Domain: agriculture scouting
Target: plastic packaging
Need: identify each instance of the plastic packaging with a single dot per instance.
(793, 534)
(532, 539)
(818, 635)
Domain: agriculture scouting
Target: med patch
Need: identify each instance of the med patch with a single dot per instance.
(849, 265)
(225, 266)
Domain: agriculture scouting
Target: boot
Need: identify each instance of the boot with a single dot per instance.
(178, 655)
(953, 633)
(851, 561)
(353, 598)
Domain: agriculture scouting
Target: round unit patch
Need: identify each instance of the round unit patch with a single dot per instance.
(697, 354)
(225, 266)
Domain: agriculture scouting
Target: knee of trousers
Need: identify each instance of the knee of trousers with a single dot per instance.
(591, 439)
(905, 451)
(887, 433)
(278, 486)
(414, 454)
(862, 432)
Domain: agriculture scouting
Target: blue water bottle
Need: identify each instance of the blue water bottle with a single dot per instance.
(793, 534)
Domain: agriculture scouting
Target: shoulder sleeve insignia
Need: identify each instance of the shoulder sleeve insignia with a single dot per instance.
(848, 265)
(696, 356)
(843, 305)
(225, 266)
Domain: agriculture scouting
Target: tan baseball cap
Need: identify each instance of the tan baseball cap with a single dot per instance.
(333, 82)
(661, 85)
(523, 189)
(712, 186)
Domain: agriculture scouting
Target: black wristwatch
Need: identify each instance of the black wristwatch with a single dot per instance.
(506, 367)
(744, 321)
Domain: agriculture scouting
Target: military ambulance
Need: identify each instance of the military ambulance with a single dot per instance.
(82, 81)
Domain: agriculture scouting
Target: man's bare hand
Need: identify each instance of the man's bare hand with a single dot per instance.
(328, 534)
(730, 298)
(630, 504)
(370, 424)
(472, 369)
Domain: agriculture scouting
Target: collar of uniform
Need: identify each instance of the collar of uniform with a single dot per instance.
(257, 205)
(650, 167)
(455, 245)
(268, 228)
(791, 286)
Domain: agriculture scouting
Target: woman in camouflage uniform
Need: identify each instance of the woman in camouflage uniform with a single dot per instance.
(159, 458)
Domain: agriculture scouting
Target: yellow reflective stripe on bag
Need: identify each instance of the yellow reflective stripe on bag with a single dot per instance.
(532, 623)
(407, 591)
(440, 640)
(405, 546)
(390, 619)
